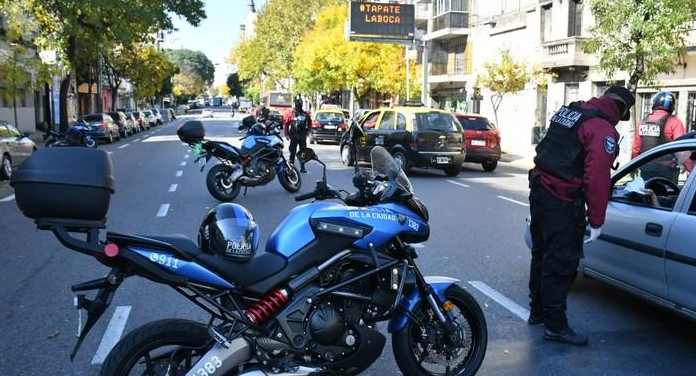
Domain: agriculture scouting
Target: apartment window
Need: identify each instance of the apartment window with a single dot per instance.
(448, 57)
(691, 113)
(451, 14)
(546, 23)
(444, 6)
(574, 18)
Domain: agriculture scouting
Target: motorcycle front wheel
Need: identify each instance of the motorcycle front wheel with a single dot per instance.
(219, 185)
(91, 143)
(171, 346)
(290, 178)
(420, 348)
(52, 142)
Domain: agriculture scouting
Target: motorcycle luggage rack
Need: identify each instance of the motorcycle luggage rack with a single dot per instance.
(63, 227)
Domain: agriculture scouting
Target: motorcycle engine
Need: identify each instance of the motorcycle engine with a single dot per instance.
(258, 167)
(326, 325)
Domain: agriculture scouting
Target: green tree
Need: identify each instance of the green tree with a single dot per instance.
(504, 76)
(187, 86)
(642, 37)
(193, 63)
(148, 70)
(70, 23)
(234, 86)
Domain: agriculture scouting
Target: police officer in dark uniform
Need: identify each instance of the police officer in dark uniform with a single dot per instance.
(658, 128)
(297, 123)
(572, 169)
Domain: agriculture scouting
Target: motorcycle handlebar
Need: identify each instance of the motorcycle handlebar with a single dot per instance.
(306, 196)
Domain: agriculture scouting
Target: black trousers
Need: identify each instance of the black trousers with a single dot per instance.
(557, 229)
(297, 139)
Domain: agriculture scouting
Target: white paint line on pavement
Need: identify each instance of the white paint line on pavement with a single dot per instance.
(182, 164)
(179, 173)
(113, 333)
(136, 140)
(172, 188)
(501, 299)
(458, 183)
(186, 156)
(124, 146)
(8, 198)
(109, 152)
(162, 212)
(515, 201)
(418, 245)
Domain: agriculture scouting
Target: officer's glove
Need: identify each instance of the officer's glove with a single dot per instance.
(594, 234)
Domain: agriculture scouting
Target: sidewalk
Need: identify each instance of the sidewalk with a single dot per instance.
(521, 161)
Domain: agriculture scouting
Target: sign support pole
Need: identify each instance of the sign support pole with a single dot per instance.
(408, 74)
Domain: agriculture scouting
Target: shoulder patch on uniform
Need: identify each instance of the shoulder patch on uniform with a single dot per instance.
(609, 145)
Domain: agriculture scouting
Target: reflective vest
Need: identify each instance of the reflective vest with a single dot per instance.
(560, 153)
(298, 124)
(652, 133)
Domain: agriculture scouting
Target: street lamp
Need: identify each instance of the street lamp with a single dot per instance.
(48, 57)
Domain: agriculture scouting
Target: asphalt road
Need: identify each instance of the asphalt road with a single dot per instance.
(476, 225)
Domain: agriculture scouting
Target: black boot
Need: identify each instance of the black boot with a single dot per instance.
(535, 319)
(567, 336)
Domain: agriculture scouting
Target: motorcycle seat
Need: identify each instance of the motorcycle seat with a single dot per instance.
(181, 242)
(245, 273)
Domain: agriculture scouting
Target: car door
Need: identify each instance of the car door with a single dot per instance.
(368, 140)
(630, 251)
(680, 254)
(6, 145)
(384, 129)
(23, 146)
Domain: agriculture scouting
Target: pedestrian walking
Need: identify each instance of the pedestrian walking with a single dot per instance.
(296, 124)
(572, 170)
(660, 127)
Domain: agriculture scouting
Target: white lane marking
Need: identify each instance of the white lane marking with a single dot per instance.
(113, 333)
(162, 212)
(179, 173)
(186, 156)
(501, 299)
(8, 198)
(515, 201)
(136, 140)
(418, 245)
(173, 187)
(458, 183)
(182, 164)
(109, 152)
(124, 146)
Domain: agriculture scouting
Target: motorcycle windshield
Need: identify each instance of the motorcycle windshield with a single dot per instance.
(384, 164)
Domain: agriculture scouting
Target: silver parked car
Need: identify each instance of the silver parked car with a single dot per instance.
(647, 243)
(15, 147)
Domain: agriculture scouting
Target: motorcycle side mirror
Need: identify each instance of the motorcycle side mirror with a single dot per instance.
(307, 154)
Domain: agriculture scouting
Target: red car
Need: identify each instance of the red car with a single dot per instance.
(482, 140)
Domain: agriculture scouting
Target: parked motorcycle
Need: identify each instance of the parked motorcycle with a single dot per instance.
(308, 304)
(256, 163)
(76, 135)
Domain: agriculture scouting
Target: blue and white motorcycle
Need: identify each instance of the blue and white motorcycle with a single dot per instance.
(257, 162)
(307, 304)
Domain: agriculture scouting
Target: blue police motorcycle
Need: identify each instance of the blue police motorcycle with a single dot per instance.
(257, 162)
(308, 304)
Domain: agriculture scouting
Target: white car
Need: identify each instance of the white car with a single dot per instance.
(207, 113)
(151, 117)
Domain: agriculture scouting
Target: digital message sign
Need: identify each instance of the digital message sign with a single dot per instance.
(377, 21)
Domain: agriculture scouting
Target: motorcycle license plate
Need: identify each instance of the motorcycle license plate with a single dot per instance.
(478, 142)
(442, 160)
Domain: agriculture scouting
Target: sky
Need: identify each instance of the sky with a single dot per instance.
(216, 34)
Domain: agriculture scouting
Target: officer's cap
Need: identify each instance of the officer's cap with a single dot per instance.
(621, 94)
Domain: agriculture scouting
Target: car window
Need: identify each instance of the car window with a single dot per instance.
(329, 116)
(475, 123)
(91, 118)
(4, 132)
(657, 182)
(387, 122)
(370, 120)
(438, 121)
(400, 121)
(14, 132)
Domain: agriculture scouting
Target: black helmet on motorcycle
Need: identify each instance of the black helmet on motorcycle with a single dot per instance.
(664, 100)
(229, 231)
(258, 129)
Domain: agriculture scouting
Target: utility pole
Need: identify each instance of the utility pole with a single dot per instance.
(13, 89)
(100, 108)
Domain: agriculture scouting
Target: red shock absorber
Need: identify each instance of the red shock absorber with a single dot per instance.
(267, 306)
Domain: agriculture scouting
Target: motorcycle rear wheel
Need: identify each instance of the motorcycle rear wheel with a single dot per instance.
(290, 178)
(153, 348)
(416, 355)
(215, 181)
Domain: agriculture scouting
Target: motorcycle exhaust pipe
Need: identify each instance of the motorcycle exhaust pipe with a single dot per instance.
(236, 173)
(222, 358)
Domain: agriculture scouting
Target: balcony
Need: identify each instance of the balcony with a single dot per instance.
(423, 11)
(449, 25)
(564, 53)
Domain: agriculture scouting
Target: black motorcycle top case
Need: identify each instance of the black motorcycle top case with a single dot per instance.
(191, 131)
(67, 183)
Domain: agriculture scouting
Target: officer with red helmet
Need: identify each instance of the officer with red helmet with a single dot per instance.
(572, 169)
(659, 128)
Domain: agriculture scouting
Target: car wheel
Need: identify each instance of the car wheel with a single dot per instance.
(453, 170)
(312, 139)
(346, 156)
(6, 168)
(119, 136)
(490, 165)
(111, 137)
(400, 158)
